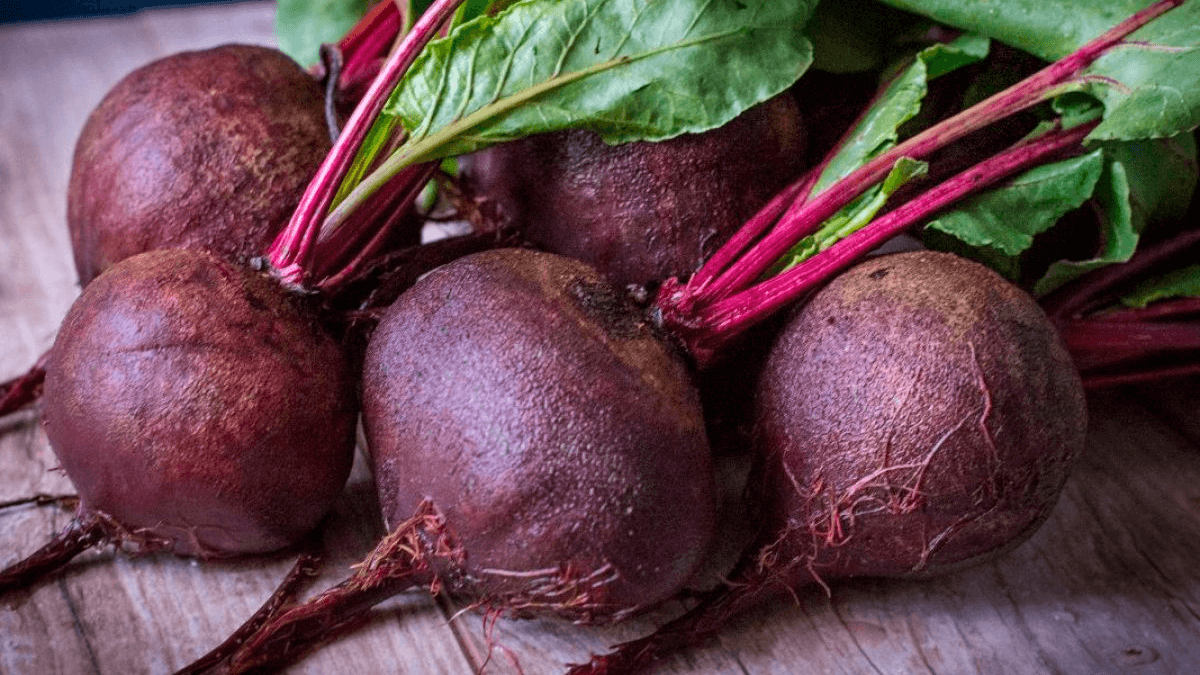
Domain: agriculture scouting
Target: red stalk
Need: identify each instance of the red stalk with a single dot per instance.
(368, 42)
(1103, 337)
(1030, 91)
(1177, 307)
(781, 206)
(1095, 290)
(705, 329)
(397, 197)
(293, 251)
(1092, 380)
(23, 389)
(1114, 345)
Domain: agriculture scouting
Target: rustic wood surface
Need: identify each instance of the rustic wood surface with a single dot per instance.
(1110, 584)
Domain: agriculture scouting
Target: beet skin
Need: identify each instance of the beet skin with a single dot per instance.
(194, 405)
(520, 395)
(917, 414)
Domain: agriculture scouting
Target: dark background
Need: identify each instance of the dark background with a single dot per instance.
(41, 10)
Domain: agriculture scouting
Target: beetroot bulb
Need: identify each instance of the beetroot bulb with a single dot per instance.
(644, 211)
(566, 443)
(917, 415)
(197, 408)
(967, 404)
(207, 149)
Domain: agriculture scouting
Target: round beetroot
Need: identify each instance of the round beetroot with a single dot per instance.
(196, 407)
(917, 414)
(202, 149)
(642, 212)
(519, 395)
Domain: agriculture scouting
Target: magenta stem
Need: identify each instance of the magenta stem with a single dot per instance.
(23, 389)
(1030, 91)
(1104, 337)
(408, 186)
(752, 229)
(292, 251)
(707, 328)
(1092, 380)
(783, 205)
(1163, 309)
(369, 41)
(1095, 289)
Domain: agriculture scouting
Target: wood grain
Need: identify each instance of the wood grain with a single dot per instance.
(1108, 585)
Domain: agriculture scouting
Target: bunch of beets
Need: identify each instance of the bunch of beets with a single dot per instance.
(546, 406)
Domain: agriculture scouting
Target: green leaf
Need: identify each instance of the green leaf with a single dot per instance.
(858, 35)
(1150, 89)
(1009, 217)
(878, 130)
(1125, 180)
(627, 69)
(1118, 229)
(854, 217)
(1162, 175)
(302, 26)
(1180, 283)
(1145, 182)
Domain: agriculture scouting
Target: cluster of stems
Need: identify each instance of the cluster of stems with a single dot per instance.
(729, 294)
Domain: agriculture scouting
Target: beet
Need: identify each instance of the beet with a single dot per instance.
(521, 396)
(967, 414)
(198, 408)
(644, 211)
(203, 149)
(917, 415)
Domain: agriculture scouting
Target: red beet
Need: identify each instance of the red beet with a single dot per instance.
(966, 416)
(197, 408)
(523, 398)
(203, 149)
(642, 212)
(918, 414)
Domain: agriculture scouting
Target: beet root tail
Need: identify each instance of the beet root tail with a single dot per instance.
(280, 637)
(697, 626)
(82, 533)
(23, 389)
(307, 565)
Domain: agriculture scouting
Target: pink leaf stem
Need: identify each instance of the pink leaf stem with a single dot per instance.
(709, 327)
(291, 252)
(783, 205)
(410, 182)
(369, 42)
(1026, 93)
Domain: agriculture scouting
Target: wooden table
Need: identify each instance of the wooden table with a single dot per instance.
(1110, 584)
